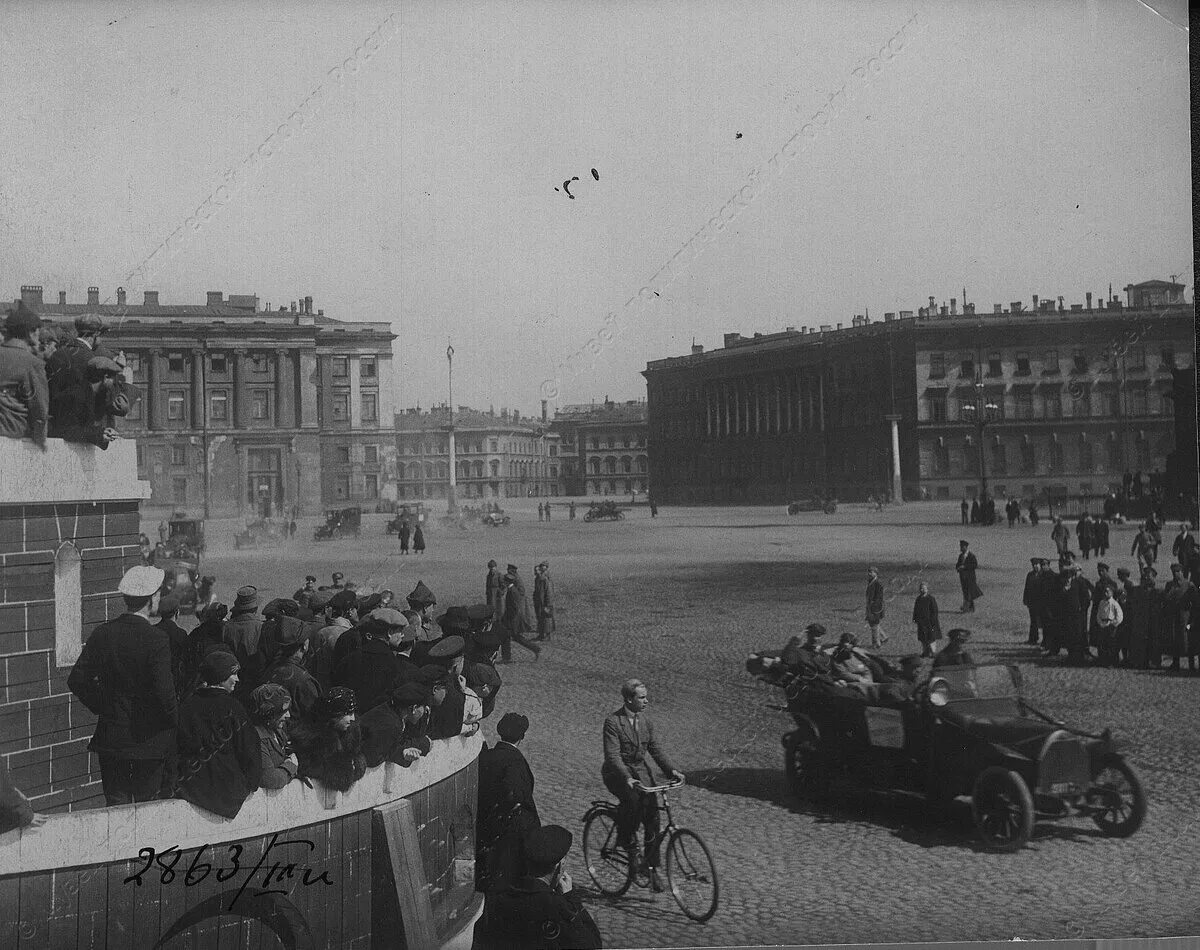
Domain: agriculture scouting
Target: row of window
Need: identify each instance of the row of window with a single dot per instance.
(219, 364)
(615, 442)
(341, 455)
(431, 470)
(476, 448)
(1083, 455)
(1138, 401)
(1135, 361)
(261, 403)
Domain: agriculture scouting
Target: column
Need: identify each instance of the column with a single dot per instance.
(897, 484)
(240, 399)
(355, 394)
(285, 410)
(756, 384)
(308, 389)
(198, 407)
(153, 394)
(778, 405)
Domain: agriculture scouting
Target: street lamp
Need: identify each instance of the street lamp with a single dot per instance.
(451, 502)
(982, 411)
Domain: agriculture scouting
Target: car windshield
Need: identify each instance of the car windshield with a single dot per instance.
(981, 682)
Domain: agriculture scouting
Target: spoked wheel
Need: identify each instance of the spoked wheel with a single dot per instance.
(607, 862)
(1118, 797)
(1003, 809)
(692, 875)
(804, 765)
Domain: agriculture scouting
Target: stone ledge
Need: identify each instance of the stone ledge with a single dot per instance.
(69, 471)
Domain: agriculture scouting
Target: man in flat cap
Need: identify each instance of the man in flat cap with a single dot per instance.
(966, 566)
(24, 395)
(242, 633)
(342, 613)
(182, 672)
(542, 909)
(304, 593)
(506, 810)
(373, 670)
(398, 730)
(514, 623)
(123, 675)
(955, 653)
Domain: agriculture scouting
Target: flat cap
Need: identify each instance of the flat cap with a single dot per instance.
(447, 648)
(483, 674)
(343, 600)
(388, 617)
(455, 620)
(545, 847)
(168, 605)
(288, 630)
(89, 323)
(99, 365)
(411, 694)
(141, 581)
(512, 568)
(319, 600)
(481, 613)
(309, 577)
(217, 666)
(816, 630)
(369, 602)
(282, 605)
(959, 635)
(491, 563)
(512, 727)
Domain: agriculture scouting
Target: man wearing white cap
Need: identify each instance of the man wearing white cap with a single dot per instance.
(123, 675)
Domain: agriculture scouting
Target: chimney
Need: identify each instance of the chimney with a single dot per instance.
(997, 308)
(839, 326)
(544, 412)
(1089, 300)
(942, 312)
(825, 326)
(150, 298)
(320, 313)
(932, 305)
(889, 317)
(308, 304)
(953, 306)
(1060, 304)
(697, 348)
(215, 298)
(969, 308)
(1016, 306)
(1035, 301)
(786, 329)
(93, 296)
(62, 298)
(293, 306)
(31, 295)
(120, 296)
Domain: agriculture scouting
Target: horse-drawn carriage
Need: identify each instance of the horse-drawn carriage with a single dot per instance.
(604, 511)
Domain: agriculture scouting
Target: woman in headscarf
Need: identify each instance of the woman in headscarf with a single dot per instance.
(329, 748)
(270, 711)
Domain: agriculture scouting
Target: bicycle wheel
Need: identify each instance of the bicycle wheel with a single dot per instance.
(607, 863)
(692, 875)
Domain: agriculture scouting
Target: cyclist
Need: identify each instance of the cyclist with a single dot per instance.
(628, 736)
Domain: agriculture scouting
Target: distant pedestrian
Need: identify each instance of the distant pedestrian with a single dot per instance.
(418, 540)
(514, 623)
(162, 532)
(875, 608)
(571, 511)
(494, 589)
(1033, 513)
(1178, 606)
(1100, 537)
(966, 511)
(547, 511)
(291, 529)
(543, 601)
(966, 566)
(1083, 531)
(1034, 598)
(925, 616)
(975, 513)
(540, 512)
(653, 509)
(1186, 551)
(405, 534)
(1060, 534)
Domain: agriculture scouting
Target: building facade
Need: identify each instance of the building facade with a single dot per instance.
(1058, 400)
(247, 411)
(605, 448)
(503, 455)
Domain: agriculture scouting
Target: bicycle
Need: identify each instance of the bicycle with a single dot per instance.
(691, 873)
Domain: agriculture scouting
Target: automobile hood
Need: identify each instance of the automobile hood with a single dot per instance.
(1018, 733)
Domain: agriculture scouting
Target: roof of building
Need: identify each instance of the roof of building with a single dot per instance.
(1155, 285)
(437, 418)
(606, 413)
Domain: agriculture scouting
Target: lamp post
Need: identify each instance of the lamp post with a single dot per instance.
(451, 502)
(981, 412)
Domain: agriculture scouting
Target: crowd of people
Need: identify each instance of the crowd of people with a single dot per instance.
(57, 384)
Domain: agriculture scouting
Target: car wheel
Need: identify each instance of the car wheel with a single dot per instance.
(1117, 797)
(804, 764)
(1003, 809)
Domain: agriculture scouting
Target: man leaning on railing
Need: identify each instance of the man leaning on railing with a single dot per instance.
(24, 394)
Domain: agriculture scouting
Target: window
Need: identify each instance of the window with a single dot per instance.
(995, 366)
(494, 465)
(217, 363)
(1137, 401)
(1079, 363)
(1053, 405)
(970, 457)
(1116, 455)
(178, 455)
(937, 365)
(141, 455)
(258, 362)
(371, 454)
(1051, 362)
(1108, 402)
(370, 487)
(1087, 457)
(494, 445)
(341, 407)
(342, 454)
(134, 362)
(1136, 358)
(341, 486)
(1024, 404)
(1142, 448)
(370, 407)
(175, 362)
(218, 405)
(366, 367)
(1056, 457)
(179, 490)
(341, 366)
(1028, 457)
(1168, 358)
(1023, 364)
(553, 451)
(554, 471)
(966, 369)
(999, 460)
(937, 405)
(260, 404)
(175, 406)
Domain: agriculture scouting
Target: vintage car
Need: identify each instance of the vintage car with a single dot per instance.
(496, 519)
(339, 523)
(827, 505)
(604, 511)
(260, 533)
(412, 512)
(185, 538)
(959, 730)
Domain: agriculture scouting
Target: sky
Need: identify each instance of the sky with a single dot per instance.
(407, 164)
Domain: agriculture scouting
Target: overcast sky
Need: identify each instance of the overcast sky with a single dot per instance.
(1012, 148)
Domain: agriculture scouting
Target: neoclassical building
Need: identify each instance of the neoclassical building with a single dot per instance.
(605, 448)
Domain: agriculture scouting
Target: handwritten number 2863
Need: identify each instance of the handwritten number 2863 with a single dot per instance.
(197, 870)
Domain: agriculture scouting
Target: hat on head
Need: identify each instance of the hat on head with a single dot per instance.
(963, 542)
(433, 675)
(369, 602)
(282, 605)
(544, 564)
(319, 600)
(168, 604)
(491, 563)
(215, 611)
(421, 597)
(338, 702)
(247, 598)
(512, 568)
(411, 694)
(454, 620)
(217, 666)
(388, 617)
(1149, 572)
(512, 727)
(483, 674)
(20, 319)
(1122, 572)
(479, 614)
(816, 630)
(1035, 561)
(288, 630)
(1102, 566)
(447, 649)
(849, 637)
(545, 847)
(141, 581)
(89, 323)
(309, 577)
(99, 365)
(343, 600)
(959, 635)
(338, 575)
(269, 701)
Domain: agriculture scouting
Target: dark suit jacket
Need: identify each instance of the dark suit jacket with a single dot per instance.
(625, 749)
(372, 672)
(875, 601)
(532, 915)
(506, 813)
(123, 675)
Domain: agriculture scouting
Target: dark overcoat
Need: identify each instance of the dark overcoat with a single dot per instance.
(506, 814)
(220, 763)
(532, 915)
(925, 616)
(333, 758)
(372, 671)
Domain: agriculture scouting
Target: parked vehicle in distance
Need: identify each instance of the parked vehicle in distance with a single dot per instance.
(260, 533)
(604, 511)
(816, 503)
(339, 523)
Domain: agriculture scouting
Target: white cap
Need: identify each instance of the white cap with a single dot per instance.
(141, 581)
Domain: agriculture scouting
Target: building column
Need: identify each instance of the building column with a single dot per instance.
(778, 405)
(758, 405)
(198, 407)
(285, 412)
(238, 415)
(308, 389)
(153, 394)
(897, 483)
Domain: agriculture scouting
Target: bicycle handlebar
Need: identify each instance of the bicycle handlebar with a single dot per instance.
(650, 789)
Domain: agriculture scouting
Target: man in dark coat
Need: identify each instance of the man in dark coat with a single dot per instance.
(398, 730)
(372, 670)
(287, 669)
(1060, 534)
(220, 763)
(486, 682)
(1100, 536)
(1083, 531)
(875, 608)
(1186, 551)
(329, 747)
(506, 810)
(182, 670)
(243, 635)
(925, 616)
(79, 387)
(494, 588)
(965, 508)
(1033, 598)
(304, 593)
(955, 653)
(123, 675)
(542, 909)
(341, 611)
(24, 394)
(404, 533)
(1078, 603)
(1177, 604)
(966, 566)
(515, 623)
(543, 600)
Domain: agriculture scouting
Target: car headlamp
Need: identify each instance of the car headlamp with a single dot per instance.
(939, 692)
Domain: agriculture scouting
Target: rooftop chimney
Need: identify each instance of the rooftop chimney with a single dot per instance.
(308, 304)
(697, 348)
(120, 296)
(1016, 306)
(889, 317)
(1060, 304)
(93, 296)
(31, 295)
(293, 306)
(825, 326)
(997, 308)
(942, 312)
(1089, 300)
(1035, 301)
(62, 298)
(954, 306)
(787, 329)
(151, 298)
(215, 298)
(932, 305)
(544, 412)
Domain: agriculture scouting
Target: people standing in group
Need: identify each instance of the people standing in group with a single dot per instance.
(543, 601)
(1078, 599)
(123, 676)
(967, 566)
(405, 533)
(515, 621)
(1178, 608)
(875, 608)
(1083, 531)
(925, 616)
(506, 811)
(418, 540)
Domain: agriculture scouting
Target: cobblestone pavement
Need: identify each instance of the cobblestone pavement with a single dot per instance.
(679, 601)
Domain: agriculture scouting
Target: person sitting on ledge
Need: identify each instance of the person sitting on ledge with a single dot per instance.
(24, 396)
(76, 385)
(330, 747)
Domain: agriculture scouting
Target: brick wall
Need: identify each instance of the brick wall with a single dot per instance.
(44, 730)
